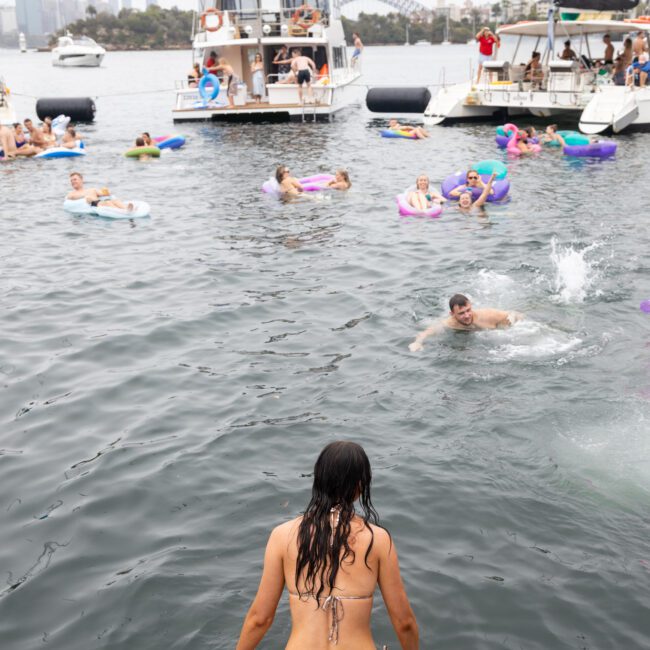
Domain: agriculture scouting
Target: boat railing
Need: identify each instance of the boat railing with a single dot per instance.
(260, 23)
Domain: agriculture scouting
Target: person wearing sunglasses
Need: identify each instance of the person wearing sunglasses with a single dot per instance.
(289, 186)
(472, 180)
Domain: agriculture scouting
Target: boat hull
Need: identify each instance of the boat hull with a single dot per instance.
(77, 60)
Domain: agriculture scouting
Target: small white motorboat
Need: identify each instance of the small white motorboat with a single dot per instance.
(81, 52)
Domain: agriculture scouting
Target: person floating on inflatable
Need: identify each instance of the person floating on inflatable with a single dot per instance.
(289, 186)
(472, 180)
(423, 197)
(417, 131)
(93, 196)
(552, 136)
(341, 181)
(465, 198)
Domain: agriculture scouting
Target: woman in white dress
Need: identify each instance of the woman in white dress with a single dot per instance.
(257, 69)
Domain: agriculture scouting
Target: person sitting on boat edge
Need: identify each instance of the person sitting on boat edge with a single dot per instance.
(418, 131)
(464, 318)
(341, 181)
(533, 71)
(423, 197)
(331, 560)
(472, 179)
(466, 200)
(567, 53)
(194, 76)
(93, 197)
(288, 185)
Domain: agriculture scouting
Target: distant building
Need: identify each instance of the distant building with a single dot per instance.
(8, 22)
(29, 17)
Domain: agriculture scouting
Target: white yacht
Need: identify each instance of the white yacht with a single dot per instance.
(237, 30)
(7, 112)
(578, 88)
(79, 52)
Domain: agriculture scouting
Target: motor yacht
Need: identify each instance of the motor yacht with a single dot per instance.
(237, 30)
(583, 88)
(77, 52)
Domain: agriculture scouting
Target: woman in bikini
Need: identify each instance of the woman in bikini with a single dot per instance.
(341, 180)
(331, 560)
(423, 196)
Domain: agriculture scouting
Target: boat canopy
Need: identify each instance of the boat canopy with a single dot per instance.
(598, 5)
(572, 27)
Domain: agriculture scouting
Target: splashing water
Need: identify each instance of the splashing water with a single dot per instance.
(574, 274)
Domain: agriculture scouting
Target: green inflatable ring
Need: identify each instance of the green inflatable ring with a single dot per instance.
(488, 167)
(136, 152)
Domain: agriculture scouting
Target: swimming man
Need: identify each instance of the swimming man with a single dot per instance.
(92, 196)
(463, 317)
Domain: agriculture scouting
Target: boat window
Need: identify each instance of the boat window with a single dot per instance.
(240, 5)
(322, 5)
(338, 54)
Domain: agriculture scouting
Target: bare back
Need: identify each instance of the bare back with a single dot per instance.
(312, 627)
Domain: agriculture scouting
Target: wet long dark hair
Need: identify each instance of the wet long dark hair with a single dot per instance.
(341, 476)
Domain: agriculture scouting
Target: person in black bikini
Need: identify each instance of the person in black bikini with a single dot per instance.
(93, 196)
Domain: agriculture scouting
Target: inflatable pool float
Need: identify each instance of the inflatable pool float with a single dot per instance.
(169, 141)
(602, 149)
(136, 152)
(314, 183)
(407, 210)
(500, 187)
(570, 138)
(397, 133)
(208, 79)
(645, 306)
(59, 125)
(81, 206)
(488, 167)
(512, 147)
(502, 141)
(62, 152)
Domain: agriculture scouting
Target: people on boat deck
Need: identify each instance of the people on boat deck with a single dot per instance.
(472, 179)
(640, 71)
(551, 135)
(194, 76)
(627, 53)
(640, 44)
(466, 200)
(70, 139)
(488, 43)
(341, 180)
(463, 317)
(288, 185)
(608, 55)
(358, 48)
(533, 71)
(567, 53)
(423, 197)
(618, 71)
(331, 560)
(283, 63)
(418, 131)
(93, 196)
(257, 70)
(231, 79)
(211, 63)
(302, 66)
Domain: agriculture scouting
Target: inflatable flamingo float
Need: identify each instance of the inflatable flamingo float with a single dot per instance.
(512, 147)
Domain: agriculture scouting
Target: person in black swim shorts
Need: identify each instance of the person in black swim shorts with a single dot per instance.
(302, 67)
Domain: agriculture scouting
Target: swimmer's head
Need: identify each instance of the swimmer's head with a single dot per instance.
(139, 142)
(530, 131)
(461, 309)
(280, 172)
(551, 128)
(76, 180)
(343, 176)
(465, 200)
(472, 178)
(422, 182)
(393, 123)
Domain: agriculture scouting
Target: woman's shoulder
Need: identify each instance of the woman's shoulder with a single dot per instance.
(286, 529)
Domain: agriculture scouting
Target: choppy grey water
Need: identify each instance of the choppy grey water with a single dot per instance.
(167, 383)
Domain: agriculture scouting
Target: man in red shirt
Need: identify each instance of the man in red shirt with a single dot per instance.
(486, 42)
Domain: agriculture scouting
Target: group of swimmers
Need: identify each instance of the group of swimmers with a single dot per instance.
(27, 140)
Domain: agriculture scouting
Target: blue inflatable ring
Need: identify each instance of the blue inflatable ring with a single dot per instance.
(205, 80)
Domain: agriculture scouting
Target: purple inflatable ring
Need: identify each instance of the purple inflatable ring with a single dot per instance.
(501, 188)
(502, 141)
(309, 183)
(407, 210)
(602, 149)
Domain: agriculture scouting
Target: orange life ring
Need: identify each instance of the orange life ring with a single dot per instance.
(305, 16)
(212, 12)
(638, 19)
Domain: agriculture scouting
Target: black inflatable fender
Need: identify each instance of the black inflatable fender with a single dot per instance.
(398, 100)
(79, 109)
